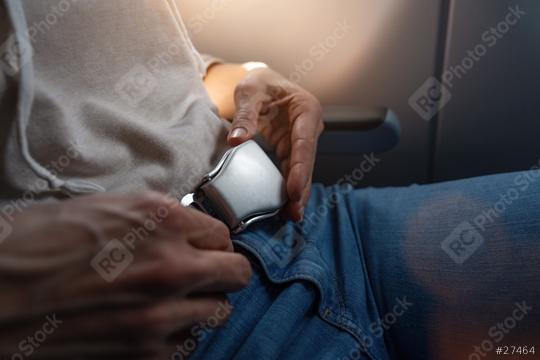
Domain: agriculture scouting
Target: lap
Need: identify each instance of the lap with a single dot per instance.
(466, 254)
(414, 272)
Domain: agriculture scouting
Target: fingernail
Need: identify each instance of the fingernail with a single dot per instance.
(238, 133)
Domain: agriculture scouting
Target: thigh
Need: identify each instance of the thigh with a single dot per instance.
(454, 267)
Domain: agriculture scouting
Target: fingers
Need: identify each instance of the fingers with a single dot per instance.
(249, 100)
(204, 232)
(223, 272)
(300, 167)
(213, 238)
(306, 129)
(296, 210)
(295, 140)
(181, 250)
(201, 255)
(155, 244)
(208, 233)
(181, 269)
(152, 321)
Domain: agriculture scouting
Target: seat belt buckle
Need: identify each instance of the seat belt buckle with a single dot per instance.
(244, 187)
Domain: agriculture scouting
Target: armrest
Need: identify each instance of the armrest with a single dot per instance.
(353, 131)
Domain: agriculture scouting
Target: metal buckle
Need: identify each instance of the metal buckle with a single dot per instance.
(244, 187)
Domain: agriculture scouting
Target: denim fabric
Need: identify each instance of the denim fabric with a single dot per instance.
(444, 271)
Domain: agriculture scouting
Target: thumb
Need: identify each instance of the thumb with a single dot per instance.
(245, 122)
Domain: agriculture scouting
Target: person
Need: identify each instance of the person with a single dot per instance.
(110, 114)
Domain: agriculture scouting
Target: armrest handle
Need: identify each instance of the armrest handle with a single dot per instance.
(353, 131)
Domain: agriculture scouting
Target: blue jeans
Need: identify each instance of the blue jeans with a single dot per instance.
(444, 271)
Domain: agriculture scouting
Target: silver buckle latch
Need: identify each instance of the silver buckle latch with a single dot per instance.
(244, 187)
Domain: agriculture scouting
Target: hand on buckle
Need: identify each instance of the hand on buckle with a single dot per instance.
(245, 187)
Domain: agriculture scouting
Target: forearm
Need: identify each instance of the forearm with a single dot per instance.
(221, 82)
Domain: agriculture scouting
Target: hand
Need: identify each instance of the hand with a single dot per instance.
(182, 266)
(290, 119)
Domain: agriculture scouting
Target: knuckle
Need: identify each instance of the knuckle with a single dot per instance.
(210, 228)
(313, 100)
(220, 234)
(220, 229)
(304, 145)
(313, 104)
(246, 88)
(246, 116)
